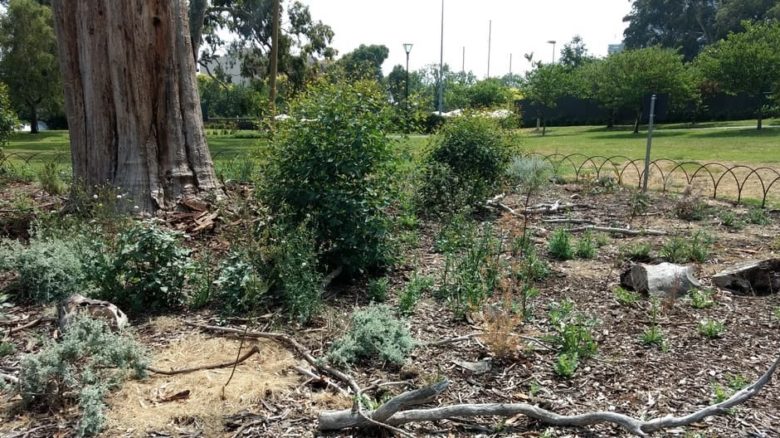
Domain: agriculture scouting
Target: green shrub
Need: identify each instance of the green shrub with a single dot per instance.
(378, 289)
(701, 299)
(242, 170)
(730, 220)
(6, 348)
(586, 246)
(711, 328)
(146, 271)
(329, 167)
(534, 268)
(240, 288)
(566, 364)
(639, 252)
(691, 209)
(49, 269)
(626, 297)
(471, 277)
(50, 179)
(573, 331)
(412, 293)
(465, 165)
(374, 334)
(699, 247)
(458, 232)
(529, 174)
(639, 203)
(675, 250)
(295, 271)
(560, 246)
(83, 367)
(758, 216)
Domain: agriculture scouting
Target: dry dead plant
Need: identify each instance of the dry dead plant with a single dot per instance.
(501, 322)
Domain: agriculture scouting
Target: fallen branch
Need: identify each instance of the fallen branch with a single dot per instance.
(327, 382)
(567, 221)
(624, 231)
(252, 351)
(349, 419)
(290, 342)
(9, 378)
(29, 325)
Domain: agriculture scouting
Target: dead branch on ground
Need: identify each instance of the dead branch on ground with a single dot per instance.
(393, 413)
(624, 231)
(252, 351)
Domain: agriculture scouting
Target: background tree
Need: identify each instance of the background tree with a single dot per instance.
(685, 25)
(365, 62)
(624, 80)
(731, 14)
(747, 62)
(29, 59)
(303, 41)
(8, 120)
(574, 54)
(132, 103)
(489, 93)
(543, 86)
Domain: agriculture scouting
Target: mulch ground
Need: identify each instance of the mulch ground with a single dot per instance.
(625, 376)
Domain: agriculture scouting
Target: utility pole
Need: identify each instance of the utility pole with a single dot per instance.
(510, 64)
(441, 63)
(274, 59)
(490, 43)
(463, 62)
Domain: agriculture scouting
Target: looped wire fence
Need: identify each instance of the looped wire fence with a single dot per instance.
(721, 181)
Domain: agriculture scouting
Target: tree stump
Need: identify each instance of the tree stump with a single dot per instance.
(753, 278)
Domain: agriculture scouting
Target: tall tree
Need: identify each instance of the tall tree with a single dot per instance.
(684, 25)
(29, 59)
(131, 99)
(365, 62)
(624, 80)
(574, 53)
(302, 41)
(731, 14)
(747, 62)
(543, 86)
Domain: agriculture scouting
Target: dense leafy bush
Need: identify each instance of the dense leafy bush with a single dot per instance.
(146, 270)
(328, 165)
(375, 334)
(49, 269)
(465, 165)
(8, 120)
(560, 245)
(299, 283)
(241, 288)
(83, 367)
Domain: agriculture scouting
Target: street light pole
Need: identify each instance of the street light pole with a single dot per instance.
(408, 50)
(490, 43)
(441, 63)
(553, 42)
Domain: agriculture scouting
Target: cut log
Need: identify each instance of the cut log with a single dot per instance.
(666, 279)
(754, 278)
(80, 305)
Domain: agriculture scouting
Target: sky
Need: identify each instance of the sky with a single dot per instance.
(519, 27)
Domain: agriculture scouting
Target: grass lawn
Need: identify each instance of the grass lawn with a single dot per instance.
(720, 142)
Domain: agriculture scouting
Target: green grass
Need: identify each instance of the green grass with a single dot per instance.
(722, 142)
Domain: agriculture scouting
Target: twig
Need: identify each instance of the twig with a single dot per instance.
(240, 346)
(451, 340)
(29, 325)
(290, 342)
(348, 419)
(567, 221)
(310, 374)
(624, 231)
(254, 350)
(330, 277)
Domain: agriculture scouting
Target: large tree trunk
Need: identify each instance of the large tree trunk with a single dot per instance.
(131, 98)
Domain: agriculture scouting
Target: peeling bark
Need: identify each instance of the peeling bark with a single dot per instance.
(131, 99)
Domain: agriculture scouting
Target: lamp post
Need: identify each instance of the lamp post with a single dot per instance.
(553, 42)
(408, 50)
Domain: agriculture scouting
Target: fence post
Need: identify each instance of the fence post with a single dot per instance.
(649, 143)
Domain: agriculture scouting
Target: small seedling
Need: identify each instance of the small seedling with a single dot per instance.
(701, 299)
(711, 328)
(730, 220)
(758, 216)
(639, 252)
(560, 245)
(586, 246)
(720, 393)
(653, 336)
(626, 297)
(675, 250)
(412, 293)
(699, 248)
(736, 381)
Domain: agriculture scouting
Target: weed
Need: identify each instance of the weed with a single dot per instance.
(6, 348)
(691, 208)
(533, 268)
(50, 179)
(501, 322)
(730, 220)
(701, 299)
(202, 281)
(699, 247)
(374, 334)
(560, 312)
(776, 314)
(412, 293)
(639, 204)
(560, 246)
(711, 329)
(296, 271)
(457, 234)
(737, 381)
(586, 246)
(626, 297)
(378, 289)
(240, 288)
(566, 364)
(758, 216)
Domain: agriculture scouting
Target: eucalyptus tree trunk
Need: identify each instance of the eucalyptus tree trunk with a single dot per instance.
(131, 98)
